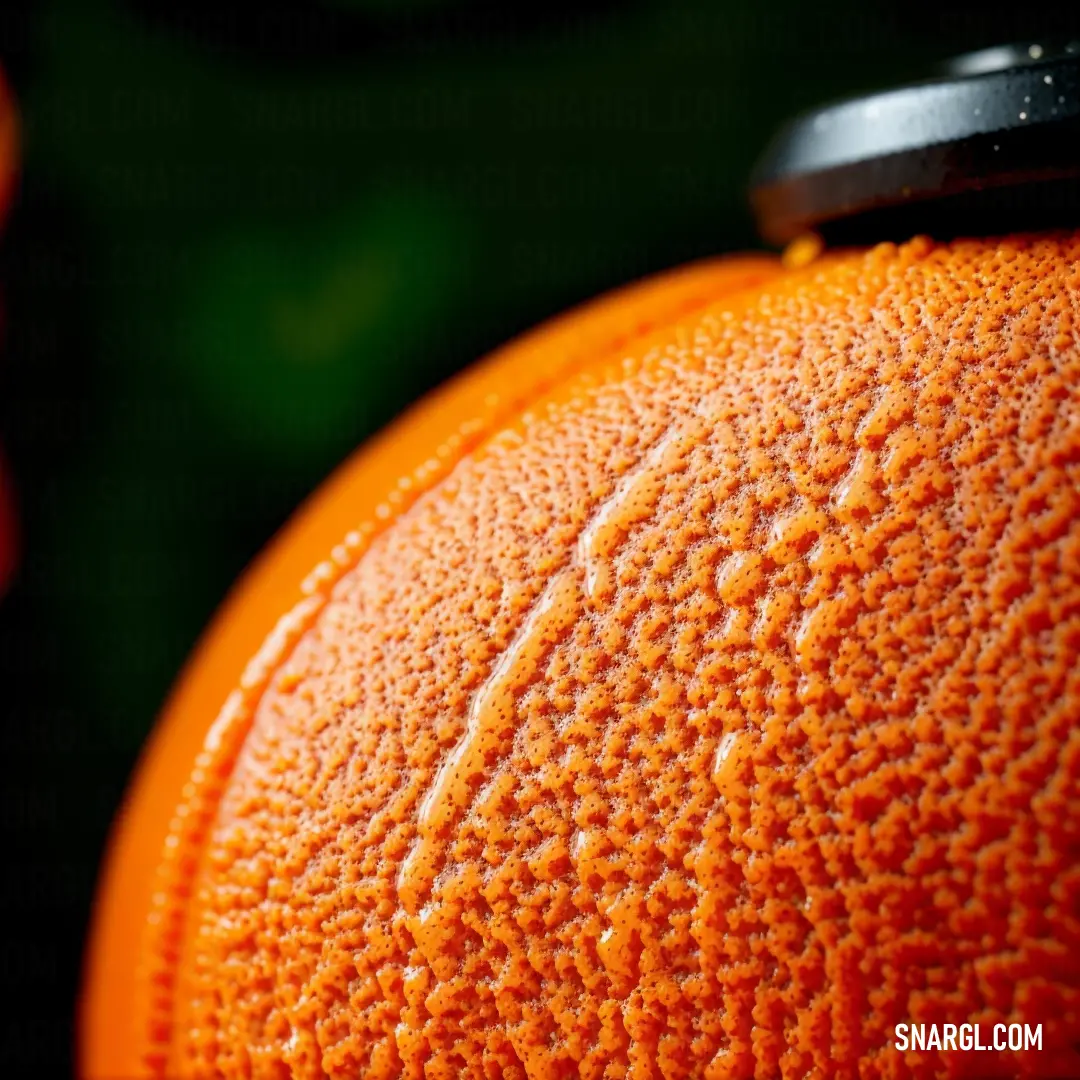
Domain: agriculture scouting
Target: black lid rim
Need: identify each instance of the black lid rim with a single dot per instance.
(1012, 128)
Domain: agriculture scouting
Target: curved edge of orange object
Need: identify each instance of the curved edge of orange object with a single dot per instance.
(486, 394)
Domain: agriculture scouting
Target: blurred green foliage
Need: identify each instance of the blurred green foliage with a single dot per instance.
(247, 239)
(278, 254)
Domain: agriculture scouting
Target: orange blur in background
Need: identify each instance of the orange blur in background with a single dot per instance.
(9, 155)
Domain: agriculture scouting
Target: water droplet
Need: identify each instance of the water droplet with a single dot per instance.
(740, 578)
(581, 841)
(615, 946)
(490, 724)
(856, 494)
(634, 499)
(793, 534)
(730, 754)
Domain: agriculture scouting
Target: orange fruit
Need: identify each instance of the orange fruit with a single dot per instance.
(691, 690)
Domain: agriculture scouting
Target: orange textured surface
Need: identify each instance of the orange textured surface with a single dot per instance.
(715, 717)
(127, 998)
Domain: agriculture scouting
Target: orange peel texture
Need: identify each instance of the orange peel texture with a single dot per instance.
(703, 703)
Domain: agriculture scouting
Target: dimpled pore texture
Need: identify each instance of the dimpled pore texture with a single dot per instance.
(713, 718)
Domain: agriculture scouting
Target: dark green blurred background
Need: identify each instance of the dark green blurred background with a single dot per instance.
(245, 240)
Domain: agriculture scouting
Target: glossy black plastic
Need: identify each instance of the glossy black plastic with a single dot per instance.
(991, 145)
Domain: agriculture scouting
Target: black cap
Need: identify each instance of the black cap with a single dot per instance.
(991, 144)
